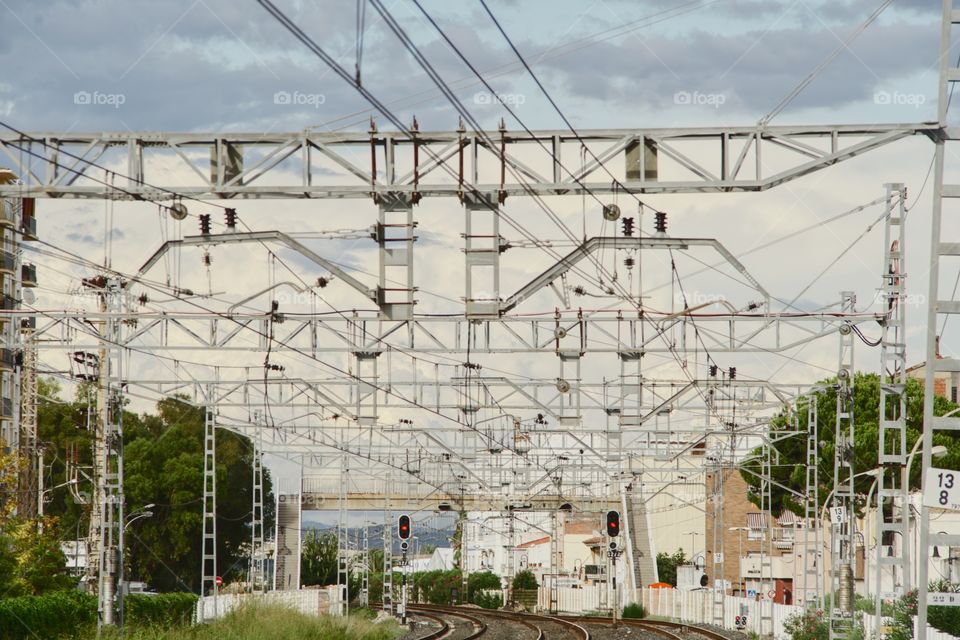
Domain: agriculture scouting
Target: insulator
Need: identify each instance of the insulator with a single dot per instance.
(205, 224)
(713, 370)
(660, 222)
(611, 212)
(143, 299)
(627, 226)
(733, 373)
(322, 282)
(579, 290)
(629, 262)
(230, 216)
(207, 261)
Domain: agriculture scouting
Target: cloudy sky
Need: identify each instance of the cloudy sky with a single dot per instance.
(224, 65)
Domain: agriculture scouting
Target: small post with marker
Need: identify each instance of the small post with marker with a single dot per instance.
(403, 532)
(613, 531)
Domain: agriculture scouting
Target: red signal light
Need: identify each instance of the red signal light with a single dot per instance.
(613, 524)
(403, 526)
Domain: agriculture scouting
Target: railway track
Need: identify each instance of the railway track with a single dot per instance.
(561, 628)
(547, 627)
(662, 628)
(447, 631)
(681, 628)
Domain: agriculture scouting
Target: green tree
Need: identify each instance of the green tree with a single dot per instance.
(525, 580)
(479, 582)
(667, 566)
(318, 558)
(163, 457)
(40, 563)
(788, 465)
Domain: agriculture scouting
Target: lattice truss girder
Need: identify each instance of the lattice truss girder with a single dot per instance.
(533, 482)
(185, 331)
(313, 164)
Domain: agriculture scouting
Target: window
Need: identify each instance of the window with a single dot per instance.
(756, 525)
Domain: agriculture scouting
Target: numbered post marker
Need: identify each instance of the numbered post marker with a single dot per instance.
(942, 489)
(944, 599)
(838, 514)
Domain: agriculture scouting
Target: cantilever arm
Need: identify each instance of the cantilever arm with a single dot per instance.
(607, 242)
(259, 236)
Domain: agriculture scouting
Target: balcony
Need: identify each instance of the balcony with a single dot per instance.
(28, 275)
(8, 303)
(29, 228)
(7, 359)
(8, 213)
(8, 262)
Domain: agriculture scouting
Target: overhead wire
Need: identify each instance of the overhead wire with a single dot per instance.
(844, 46)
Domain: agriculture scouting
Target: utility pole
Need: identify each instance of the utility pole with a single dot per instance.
(106, 516)
(842, 527)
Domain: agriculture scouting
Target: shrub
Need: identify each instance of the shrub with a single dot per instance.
(807, 625)
(525, 580)
(488, 600)
(480, 581)
(63, 614)
(162, 610)
(634, 610)
(434, 587)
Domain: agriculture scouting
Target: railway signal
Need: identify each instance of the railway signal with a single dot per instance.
(403, 527)
(613, 524)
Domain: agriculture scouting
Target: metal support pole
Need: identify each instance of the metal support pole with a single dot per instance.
(813, 527)
(208, 583)
(843, 539)
(343, 532)
(892, 532)
(257, 578)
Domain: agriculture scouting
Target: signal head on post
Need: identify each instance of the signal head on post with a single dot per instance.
(403, 527)
(613, 524)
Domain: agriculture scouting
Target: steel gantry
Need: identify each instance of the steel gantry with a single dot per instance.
(300, 164)
(367, 388)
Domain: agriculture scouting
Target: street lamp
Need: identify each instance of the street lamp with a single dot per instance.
(823, 512)
(136, 514)
(740, 580)
(693, 537)
(937, 451)
(142, 512)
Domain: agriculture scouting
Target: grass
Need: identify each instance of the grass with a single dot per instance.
(272, 623)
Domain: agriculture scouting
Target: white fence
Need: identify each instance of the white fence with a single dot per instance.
(869, 621)
(695, 607)
(308, 601)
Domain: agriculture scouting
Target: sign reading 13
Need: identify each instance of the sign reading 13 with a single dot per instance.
(942, 489)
